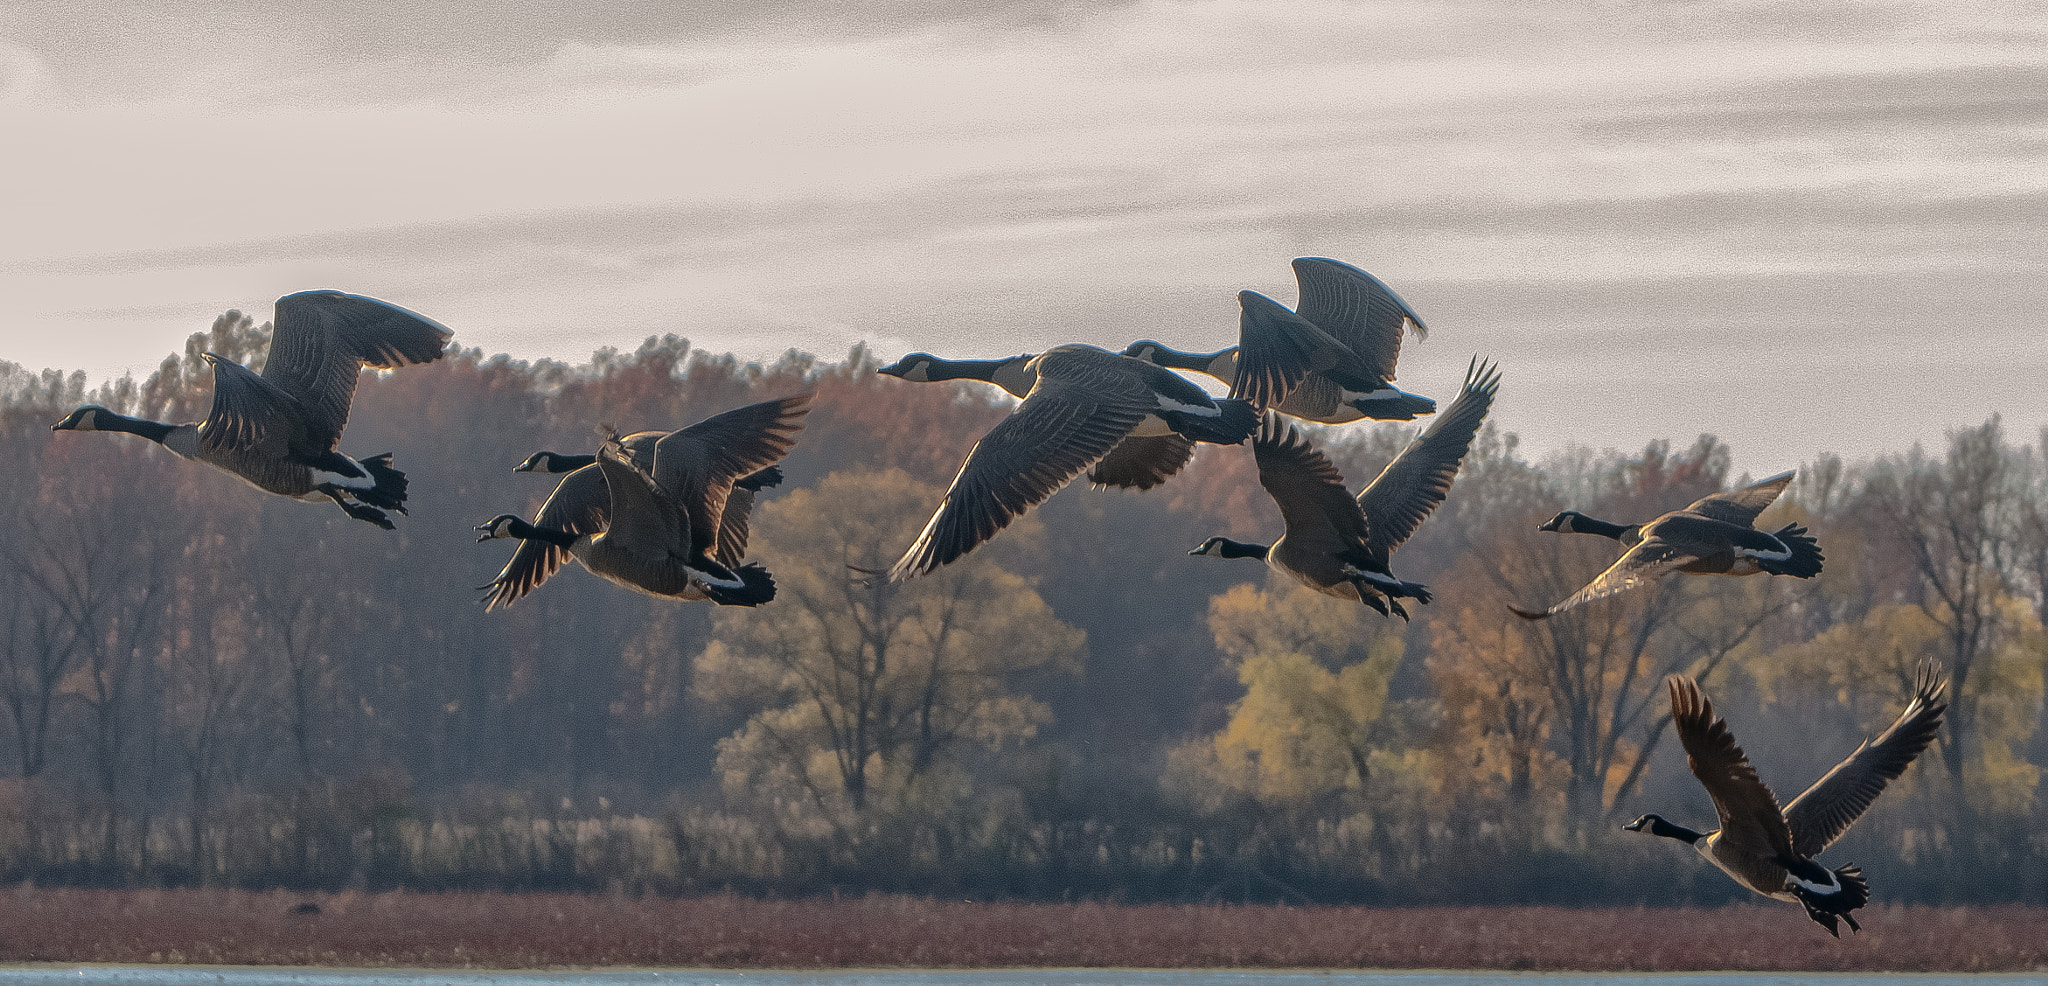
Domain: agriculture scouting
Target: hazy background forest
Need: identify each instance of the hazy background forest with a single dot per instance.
(200, 684)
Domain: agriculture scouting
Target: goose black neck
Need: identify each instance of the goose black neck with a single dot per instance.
(1227, 548)
(155, 431)
(1177, 360)
(528, 532)
(557, 462)
(1582, 524)
(964, 369)
(1658, 826)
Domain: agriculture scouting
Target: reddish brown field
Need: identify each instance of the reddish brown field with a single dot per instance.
(525, 931)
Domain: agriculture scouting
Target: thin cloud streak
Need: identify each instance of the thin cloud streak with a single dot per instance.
(1708, 201)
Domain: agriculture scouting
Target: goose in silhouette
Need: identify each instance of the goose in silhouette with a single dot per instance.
(1139, 462)
(1082, 404)
(280, 430)
(1331, 360)
(1771, 851)
(1341, 546)
(686, 497)
(1715, 535)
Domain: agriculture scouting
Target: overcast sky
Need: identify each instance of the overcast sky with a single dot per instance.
(1803, 227)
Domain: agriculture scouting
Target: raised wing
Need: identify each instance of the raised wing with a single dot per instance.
(1741, 506)
(733, 521)
(1358, 310)
(1411, 486)
(580, 504)
(1647, 562)
(1078, 411)
(320, 342)
(249, 412)
(1750, 818)
(1142, 463)
(1277, 349)
(1827, 809)
(696, 466)
(1318, 510)
(643, 520)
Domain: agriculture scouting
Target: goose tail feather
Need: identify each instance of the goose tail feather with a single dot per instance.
(1826, 908)
(1806, 558)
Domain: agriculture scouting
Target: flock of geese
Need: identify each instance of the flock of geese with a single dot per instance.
(666, 513)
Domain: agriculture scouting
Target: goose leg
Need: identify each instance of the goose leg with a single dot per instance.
(355, 510)
(1370, 597)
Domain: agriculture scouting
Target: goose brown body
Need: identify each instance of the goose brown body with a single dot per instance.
(1329, 360)
(1771, 850)
(1714, 535)
(280, 430)
(1342, 545)
(662, 513)
(1083, 404)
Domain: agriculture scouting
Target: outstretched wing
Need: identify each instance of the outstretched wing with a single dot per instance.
(249, 413)
(1827, 809)
(734, 521)
(1648, 561)
(696, 466)
(580, 504)
(1277, 349)
(1078, 411)
(1140, 463)
(1319, 512)
(320, 342)
(1750, 818)
(1741, 507)
(1411, 486)
(1358, 310)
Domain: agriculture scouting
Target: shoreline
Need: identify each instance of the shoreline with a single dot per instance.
(533, 932)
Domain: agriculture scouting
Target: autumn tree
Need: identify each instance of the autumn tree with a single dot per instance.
(1962, 522)
(1599, 668)
(1315, 672)
(863, 687)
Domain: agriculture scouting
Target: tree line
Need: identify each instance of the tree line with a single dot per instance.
(202, 685)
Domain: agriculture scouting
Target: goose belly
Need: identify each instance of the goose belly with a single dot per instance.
(1313, 569)
(1747, 870)
(1321, 400)
(1735, 562)
(620, 568)
(285, 479)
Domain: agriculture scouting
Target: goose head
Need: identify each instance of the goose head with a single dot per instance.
(84, 419)
(497, 527)
(916, 368)
(1562, 522)
(1209, 549)
(1642, 822)
(1145, 349)
(1160, 354)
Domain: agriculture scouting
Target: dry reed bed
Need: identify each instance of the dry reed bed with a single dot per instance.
(542, 930)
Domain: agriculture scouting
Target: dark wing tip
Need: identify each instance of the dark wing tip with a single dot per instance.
(1528, 614)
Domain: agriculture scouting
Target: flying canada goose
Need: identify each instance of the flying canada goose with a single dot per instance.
(278, 431)
(1082, 405)
(1715, 535)
(582, 503)
(1331, 360)
(661, 513)
(1343, 547)
(1771, 851)
(1139, 462)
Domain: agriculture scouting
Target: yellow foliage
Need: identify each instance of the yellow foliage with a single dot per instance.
(867, 687)
(1302, 730)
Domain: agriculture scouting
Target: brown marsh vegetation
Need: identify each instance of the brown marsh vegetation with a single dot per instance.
(495, 930)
